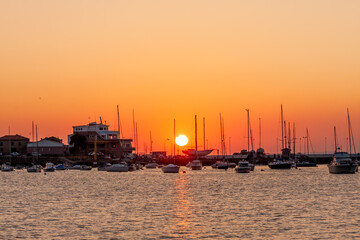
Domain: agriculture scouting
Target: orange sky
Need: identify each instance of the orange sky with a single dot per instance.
(66, 63)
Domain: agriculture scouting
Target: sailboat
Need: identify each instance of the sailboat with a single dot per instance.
(196, 164)
(171, 168)
(342, 162)
(284, 162)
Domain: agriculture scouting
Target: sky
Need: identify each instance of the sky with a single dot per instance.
(66, 63)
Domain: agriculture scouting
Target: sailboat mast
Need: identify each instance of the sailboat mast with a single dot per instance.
(335, 139)
(174, 136)
(204, 131)
(282, 127)
(137, 139)
(307, 140)
(37, 143)
(151, 142)
(134, 131)
(259, 132)
(285, 134)
(294, 139)
(196, 145)
(349, 128)
(248, 129)
(221, 136)
(289, 136)
(118, 119)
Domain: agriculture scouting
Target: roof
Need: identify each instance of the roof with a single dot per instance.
(45, 143)
(13, 138)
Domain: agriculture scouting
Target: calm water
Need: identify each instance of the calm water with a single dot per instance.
(209, 204)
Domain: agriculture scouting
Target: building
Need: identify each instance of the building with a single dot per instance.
(46, 147)
(13, 144)
(84, 139)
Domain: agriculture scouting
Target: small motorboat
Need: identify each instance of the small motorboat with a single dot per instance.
(49, 167)
(6, 168)
(117, 168)
(220, 165)
(75, 167)
(151, 165)
(60, 167)
(85, 168)
(171, 168)
(34, 168)
(243, 167)
(195, 165)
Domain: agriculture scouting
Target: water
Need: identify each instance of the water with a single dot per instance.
(210, 204)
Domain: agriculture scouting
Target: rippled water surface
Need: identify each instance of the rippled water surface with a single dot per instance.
(209, 204)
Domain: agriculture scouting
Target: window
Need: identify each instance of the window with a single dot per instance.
(1, 143)
(19, 143)
(12, 143)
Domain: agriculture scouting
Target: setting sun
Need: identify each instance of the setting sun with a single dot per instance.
(181, 140)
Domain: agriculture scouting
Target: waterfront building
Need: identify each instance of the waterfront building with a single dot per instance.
(46, 147)
(84, 138)
(13, 144)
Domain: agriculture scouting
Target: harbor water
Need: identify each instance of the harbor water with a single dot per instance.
(307, 203)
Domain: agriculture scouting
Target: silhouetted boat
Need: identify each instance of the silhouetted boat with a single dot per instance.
(171, 168)
(243, 167)
(342, 163)
(195, 165)
(6, 168)
(199, 153)
(49, 167)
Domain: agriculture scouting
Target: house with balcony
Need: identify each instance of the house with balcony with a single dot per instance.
(86, 139)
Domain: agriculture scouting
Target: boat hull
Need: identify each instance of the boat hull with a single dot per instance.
(307, 164)
(284, 165)
(171, 169)
(196, 167)
(342, 169)
(242, 169)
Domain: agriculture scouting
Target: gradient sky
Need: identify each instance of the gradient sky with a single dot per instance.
(65, 63)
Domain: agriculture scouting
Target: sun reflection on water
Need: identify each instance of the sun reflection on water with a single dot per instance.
(183, 207)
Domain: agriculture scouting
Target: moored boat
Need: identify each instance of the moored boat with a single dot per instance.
(60, 167)
(151, 165)
(171, 168)
(117, 168)
(34, 168)
(49, 167)
(243, 167)
(220, 165)
(342, 164)
(196, 165)
(6, 168)
(280, 164)
(306, 164)
(85, 168)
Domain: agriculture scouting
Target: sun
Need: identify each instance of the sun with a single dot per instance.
(181, 140)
